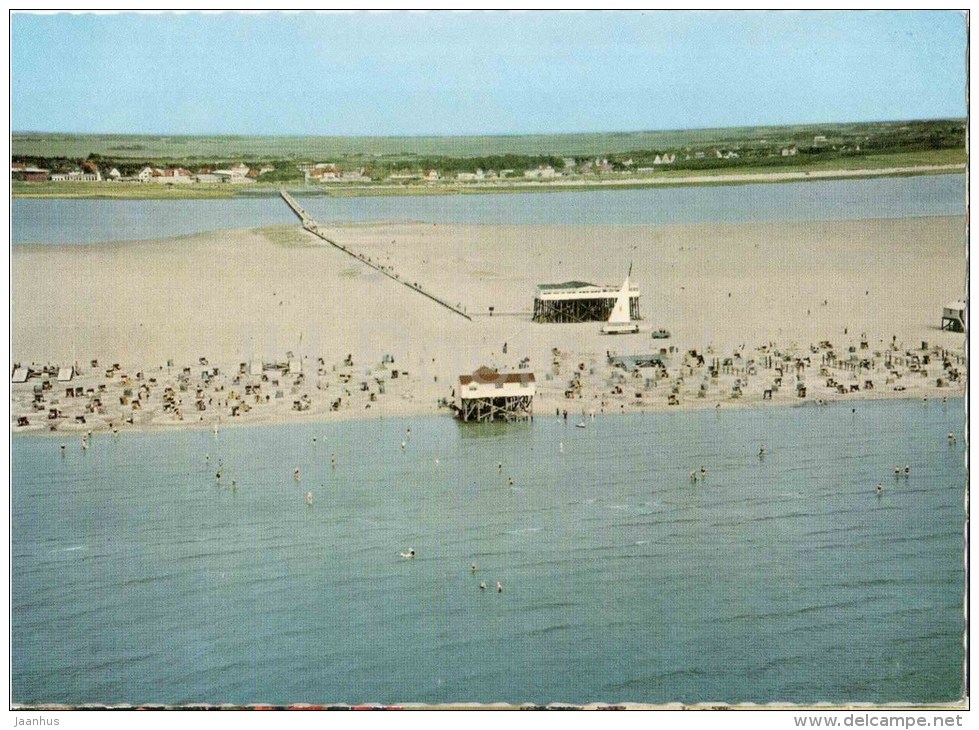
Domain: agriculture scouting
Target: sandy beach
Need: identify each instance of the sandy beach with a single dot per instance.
(763, 296)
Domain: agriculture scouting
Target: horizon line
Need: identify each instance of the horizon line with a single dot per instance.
(487, 134)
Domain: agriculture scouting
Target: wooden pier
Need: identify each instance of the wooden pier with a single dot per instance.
(313, 227)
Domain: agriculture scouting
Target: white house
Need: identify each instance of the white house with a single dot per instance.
(403, 176)
(358, 175)
(77, 176)
(478, 175)
(236, 174)
(542, 172)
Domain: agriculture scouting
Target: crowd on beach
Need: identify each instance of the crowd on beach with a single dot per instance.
(112, 397)
(816, 374)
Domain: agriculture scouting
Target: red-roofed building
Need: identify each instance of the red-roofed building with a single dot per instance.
(489, 395)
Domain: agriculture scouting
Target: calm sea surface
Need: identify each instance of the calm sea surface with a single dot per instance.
(137, 577)
(94, 221)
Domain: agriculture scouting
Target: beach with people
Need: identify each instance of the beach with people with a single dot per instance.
(274, 324)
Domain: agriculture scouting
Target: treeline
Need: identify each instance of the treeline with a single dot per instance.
(471, 164)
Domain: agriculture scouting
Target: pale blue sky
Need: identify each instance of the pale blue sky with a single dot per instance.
(480, 73)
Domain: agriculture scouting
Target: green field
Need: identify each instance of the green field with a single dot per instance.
(208, 148)
(328, 148)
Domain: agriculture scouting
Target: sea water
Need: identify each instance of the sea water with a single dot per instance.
(138, 576)
(67, 221)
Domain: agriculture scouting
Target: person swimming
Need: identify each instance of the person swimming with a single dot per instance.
(473, 567)
(482, 585)
(296, 475)
(409, 554)
(499, 587)
(309, 498)
(880, 489)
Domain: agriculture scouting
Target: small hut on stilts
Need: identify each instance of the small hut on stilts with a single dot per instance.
(489, 395)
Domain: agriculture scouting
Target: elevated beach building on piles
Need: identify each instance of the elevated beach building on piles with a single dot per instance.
(579, 301)
(489, 395)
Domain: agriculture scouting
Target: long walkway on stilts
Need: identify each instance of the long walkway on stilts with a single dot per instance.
(313, 227)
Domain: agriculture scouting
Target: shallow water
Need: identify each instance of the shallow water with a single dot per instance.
(93, 221)
(136, 577)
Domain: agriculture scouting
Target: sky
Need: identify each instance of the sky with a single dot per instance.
(472, 73)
